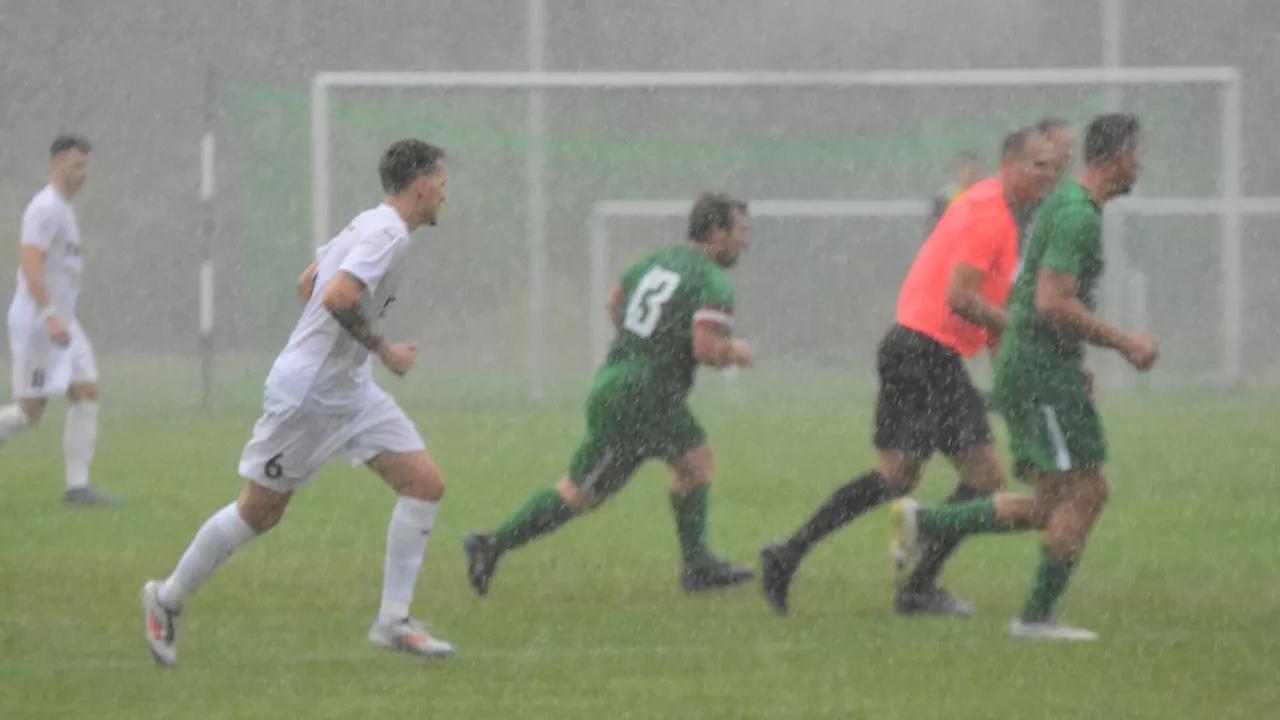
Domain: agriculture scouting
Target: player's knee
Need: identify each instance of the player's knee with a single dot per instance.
(32, 409)
(414, 475)
(901, 473)
(85, 392)
(577, 500)
(261, 508)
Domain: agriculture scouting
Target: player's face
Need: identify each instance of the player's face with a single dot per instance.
(1037, 169)
(733, 242)
(430, 194)
(72, 168)
(1128, 166)
(1063, 145)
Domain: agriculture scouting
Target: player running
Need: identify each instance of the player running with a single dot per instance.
(51, 352)
(673, 311)
(1043, 390)
(321, 402)
(950, 306)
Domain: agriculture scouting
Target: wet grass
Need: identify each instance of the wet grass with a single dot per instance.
(1181, 579)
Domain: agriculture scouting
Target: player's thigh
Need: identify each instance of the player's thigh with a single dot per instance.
(903, 424)
(383, 436)
(686, 450)
(604, 461)
(1058, 433)
(84, 366)
(289, 446)
(961, 425)
(979, 467)
(41, 368)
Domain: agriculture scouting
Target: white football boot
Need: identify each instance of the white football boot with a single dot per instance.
(408, 635)
(1050, 629)
(160, 625)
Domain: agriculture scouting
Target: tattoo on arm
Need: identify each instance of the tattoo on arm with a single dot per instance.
(356, 323)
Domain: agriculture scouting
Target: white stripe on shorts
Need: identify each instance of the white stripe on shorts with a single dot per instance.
(1058, 439)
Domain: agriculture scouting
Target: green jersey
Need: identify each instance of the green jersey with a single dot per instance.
(1068, 238)
(665, 294)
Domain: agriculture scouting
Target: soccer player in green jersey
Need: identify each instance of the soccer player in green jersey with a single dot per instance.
(1043, 389)
(673, 310)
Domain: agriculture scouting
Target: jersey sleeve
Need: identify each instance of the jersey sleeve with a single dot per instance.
(981, 237)
(715, 305)
(39, 226)
(1074, 239)
(373, 256)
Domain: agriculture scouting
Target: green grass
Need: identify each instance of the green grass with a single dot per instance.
(1181, 579)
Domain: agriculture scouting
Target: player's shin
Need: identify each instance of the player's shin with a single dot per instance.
(407, 534)
(542, 513)
(1051, 580)
(220, 536)
(690, 511)
(12, 421)
(848, 502)
(79, 440)
(940, 548)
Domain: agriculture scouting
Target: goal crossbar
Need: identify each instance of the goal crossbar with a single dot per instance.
(534, 83)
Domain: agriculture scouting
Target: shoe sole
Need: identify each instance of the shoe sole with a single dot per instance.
(146, 629)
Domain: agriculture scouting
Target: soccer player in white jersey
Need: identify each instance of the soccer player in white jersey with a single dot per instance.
(321, 401)
(51, 353)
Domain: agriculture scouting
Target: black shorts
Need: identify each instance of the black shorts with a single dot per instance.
(927, 402)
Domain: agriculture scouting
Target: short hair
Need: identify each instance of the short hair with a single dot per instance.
(66, 142)
(1109, 135)
(713, 211)
(406, 161)
(1016, 141)
(1049, 124)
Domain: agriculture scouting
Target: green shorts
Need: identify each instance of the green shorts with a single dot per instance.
(1054, 427)
(623, 432)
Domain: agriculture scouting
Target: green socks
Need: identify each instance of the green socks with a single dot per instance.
(1051, 582)
(969, 518)
(542, 513)
(690, 510)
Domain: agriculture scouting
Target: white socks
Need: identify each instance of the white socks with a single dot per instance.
(411, 524)
(79, 438)
(217, 539)
(12, 421)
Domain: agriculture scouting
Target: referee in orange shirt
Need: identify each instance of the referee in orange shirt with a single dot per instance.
(950, 306)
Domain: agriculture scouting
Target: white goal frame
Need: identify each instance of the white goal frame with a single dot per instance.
(1227, 202)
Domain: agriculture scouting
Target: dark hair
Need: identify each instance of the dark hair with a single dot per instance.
(713, 211)
(66, 142)
(1016, 141)
(1049, 124)
(406, 161)
(1109, 135)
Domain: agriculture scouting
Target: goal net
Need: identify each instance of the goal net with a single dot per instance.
(548, 169)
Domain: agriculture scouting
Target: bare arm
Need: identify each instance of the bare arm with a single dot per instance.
(712, 347)
(342, 299)
(1057, 302)
(307, 282)
(32, 261)
(964, 300)
(616, 298)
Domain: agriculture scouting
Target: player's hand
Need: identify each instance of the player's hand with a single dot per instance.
(399, 358)
(741, 354)
(57, 330)
(1141, 350)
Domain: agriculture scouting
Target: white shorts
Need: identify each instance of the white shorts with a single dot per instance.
(288, 447)
(41, 367)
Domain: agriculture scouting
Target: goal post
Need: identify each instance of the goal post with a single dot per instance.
(1226, 203)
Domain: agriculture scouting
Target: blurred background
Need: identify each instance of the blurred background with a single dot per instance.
(814, 293)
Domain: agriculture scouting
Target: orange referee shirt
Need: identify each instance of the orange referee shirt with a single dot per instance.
(978, 230)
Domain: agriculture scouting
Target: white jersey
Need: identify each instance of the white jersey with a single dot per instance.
(322, 365)
(49, 223)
